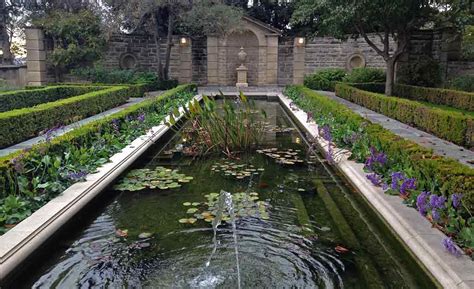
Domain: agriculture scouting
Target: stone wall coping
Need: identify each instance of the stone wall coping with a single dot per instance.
(17, 244)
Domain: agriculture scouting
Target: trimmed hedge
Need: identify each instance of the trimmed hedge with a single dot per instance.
(30, 97)
(452, 126)
(434, 173)
(21, 124)
(84, 135)
(449, 97)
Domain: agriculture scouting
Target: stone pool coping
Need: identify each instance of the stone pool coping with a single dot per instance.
(416, 232)
(23, 239)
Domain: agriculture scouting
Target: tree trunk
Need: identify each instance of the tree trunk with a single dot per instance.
(7, 55)
(390, 78)
(169, 44)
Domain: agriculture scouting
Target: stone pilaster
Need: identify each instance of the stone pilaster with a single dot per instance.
(212, 60)
(272, 60)
(35, 57)
(299, 51)
(186, 61)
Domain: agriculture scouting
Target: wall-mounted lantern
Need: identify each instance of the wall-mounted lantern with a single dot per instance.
(300, 41)
(183, 41)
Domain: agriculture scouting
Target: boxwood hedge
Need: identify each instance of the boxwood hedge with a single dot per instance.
(21, 124)
(30, 97)
(449, 125)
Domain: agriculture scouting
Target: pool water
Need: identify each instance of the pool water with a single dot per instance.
(314, 231)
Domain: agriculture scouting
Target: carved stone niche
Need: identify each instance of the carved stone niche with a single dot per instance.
(128, 61)
(356, 60)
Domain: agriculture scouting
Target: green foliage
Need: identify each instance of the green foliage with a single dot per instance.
(463, 83)
(30, 97)
(439, 175)
(38, 175)
(227, 128)
(457, 99)
(77, 38)
(21, 124)
(449, 125)
(364, 75)
(423, 72)
(324, 79)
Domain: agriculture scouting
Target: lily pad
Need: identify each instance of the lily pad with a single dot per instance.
(145, 235)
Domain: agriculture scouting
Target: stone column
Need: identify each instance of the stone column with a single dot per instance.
(272, 60)
(212, 61)
(35, 57)
(299, 52)
(262, 65)
(185, 60)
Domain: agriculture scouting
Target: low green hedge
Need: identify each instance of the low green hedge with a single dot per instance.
(454, 98)
(433, 173)
(21, 124)
(30, 97)
(449, 125)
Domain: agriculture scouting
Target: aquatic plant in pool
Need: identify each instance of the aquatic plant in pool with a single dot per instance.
(231, 127)
(158, 178)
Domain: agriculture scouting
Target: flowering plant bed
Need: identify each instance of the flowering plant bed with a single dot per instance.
(29, 179)
(441, 189)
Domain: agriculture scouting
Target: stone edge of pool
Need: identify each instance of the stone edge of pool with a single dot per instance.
(417, 233)
(19, 243)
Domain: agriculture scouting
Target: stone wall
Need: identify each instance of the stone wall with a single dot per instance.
(13, 75)
(458, 68)
(324, 52)
(199, 61)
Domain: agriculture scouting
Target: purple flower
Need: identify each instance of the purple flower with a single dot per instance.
(325, 132)
(374, 179)
(396, 176)
(408, 184)
(435, 215)
(456, 200)
(449, 246)
(437, 202)
(141, 117)
(116, 125)
(421, 202)
(76, 176)
(375, 158)
(329, 155)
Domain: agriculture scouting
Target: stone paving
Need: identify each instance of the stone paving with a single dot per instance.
(440, 147)
(29, 143)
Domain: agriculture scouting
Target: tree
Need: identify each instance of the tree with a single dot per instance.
(169, 16)
(388, 19)
(8, 10)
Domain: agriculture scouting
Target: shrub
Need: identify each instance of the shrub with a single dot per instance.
(423, 72)
(21, 124)
(452, 126)
(30, 97)
(463, 83)
(365, 74)
(324, 79)
(120, 76)
(453, 98)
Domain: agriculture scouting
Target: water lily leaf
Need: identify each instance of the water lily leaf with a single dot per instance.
(187, 204)
(183, 221)
(192, 210)
(195, 204)
(145, 235)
